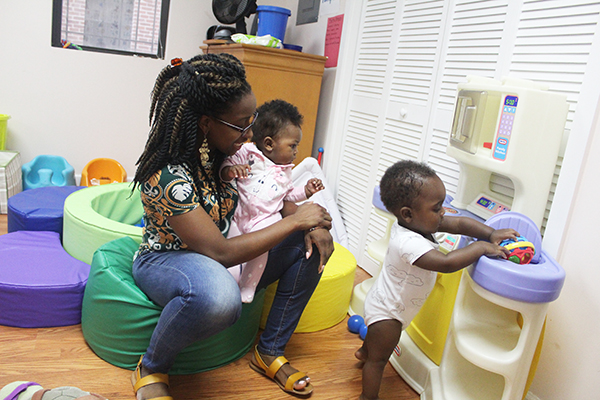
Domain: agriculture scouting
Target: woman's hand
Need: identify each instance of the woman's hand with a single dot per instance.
(324, 242)
(310, 215)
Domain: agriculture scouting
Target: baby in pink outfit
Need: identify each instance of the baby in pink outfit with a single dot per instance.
(263, 172)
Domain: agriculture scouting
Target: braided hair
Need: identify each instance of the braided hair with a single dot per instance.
(401, 183)
(207, 84)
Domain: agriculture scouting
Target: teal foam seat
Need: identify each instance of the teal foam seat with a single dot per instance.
(47, 170)
(118, 318)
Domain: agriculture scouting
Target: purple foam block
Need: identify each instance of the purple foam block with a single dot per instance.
(39, 209)
(41, 285)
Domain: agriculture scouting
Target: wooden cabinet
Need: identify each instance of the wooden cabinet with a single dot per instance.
(282, 74)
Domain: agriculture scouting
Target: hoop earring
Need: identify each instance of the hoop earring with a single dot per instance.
(204, 152)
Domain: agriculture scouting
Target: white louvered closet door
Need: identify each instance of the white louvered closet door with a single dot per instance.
(411, 55)
(389, 108)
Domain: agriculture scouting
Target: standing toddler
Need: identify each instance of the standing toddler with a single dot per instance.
(415, 195)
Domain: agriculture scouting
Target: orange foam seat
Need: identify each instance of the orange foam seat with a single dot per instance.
(101, 171)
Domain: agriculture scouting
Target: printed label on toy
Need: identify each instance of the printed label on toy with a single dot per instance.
(505, 127)
(449, 242)
(501, 149)
(491, 205)
(450, 210)
(398, 350)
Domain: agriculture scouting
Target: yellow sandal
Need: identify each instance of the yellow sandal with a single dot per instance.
(138, 382)
(271, 370)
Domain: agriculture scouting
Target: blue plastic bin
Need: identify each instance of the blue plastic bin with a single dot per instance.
(272, 21)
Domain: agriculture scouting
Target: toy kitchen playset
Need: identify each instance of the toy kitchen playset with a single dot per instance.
(479, 334)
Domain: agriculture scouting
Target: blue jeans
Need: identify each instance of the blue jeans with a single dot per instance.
(200, 298)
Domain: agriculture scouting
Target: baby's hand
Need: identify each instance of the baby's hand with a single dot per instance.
(493, 250)
(313, 186)
(502, 234)
(235, 172)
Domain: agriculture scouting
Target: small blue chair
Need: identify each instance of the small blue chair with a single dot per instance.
(47, 170)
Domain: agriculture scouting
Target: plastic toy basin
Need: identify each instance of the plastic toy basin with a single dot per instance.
(537, 282)
(531, 283)
(377, 199)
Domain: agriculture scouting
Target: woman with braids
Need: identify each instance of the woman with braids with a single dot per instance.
(203, 110)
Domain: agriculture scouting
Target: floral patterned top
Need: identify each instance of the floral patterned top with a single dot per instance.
(171, 191)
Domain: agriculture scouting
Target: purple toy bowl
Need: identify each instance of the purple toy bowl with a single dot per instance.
(540, 281)
(377, 199)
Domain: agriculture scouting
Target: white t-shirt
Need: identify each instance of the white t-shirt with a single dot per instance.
(401, 287)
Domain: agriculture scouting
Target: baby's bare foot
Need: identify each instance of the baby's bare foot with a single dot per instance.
(361, 354)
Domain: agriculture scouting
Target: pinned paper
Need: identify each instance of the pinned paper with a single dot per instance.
(332, 40)
(329, 7)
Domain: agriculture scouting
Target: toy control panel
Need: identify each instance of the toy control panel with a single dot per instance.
(486, 206)
(505, 127)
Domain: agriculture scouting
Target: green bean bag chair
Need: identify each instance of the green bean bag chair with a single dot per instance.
(118, 319)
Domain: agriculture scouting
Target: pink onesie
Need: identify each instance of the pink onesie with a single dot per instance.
(261, 199)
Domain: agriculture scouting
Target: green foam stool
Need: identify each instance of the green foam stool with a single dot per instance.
(98, 214)
(118, 318)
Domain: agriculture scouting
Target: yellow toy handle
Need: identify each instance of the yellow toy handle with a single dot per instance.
(515, 245)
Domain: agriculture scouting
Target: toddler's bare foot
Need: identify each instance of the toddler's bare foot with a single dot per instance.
(361, 354)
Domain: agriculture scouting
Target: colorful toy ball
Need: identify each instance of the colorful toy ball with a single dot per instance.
(363, 331)
(521, 251)
(355, 322)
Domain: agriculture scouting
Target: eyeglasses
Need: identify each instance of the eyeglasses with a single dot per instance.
(242, 131)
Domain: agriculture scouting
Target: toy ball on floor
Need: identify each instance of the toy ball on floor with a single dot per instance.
(363, 331)
(355, 322)
(521, 251)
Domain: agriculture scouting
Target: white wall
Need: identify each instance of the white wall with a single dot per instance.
(570, 363)
(78, 104)
(82, 105)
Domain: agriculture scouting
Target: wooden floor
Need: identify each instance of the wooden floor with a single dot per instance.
(55, 357)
